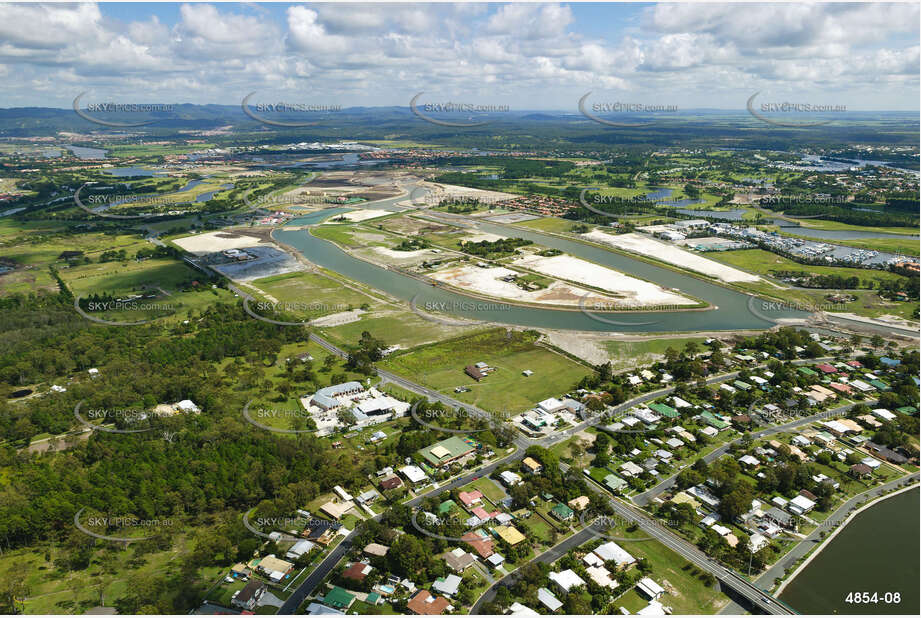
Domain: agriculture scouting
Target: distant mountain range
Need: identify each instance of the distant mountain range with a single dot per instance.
(525, 128)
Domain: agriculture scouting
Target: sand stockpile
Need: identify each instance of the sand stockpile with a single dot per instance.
(633, 292)
(671, 254)
(489, 281)
(360, 215)
(212, 242)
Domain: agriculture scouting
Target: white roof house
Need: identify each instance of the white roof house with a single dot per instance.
(756, 542)
(650, 588)
(630, 469)
(413, 474)
(447, 586)
(653, 609)
(748, 460)
(299, 549)
(187, 405)
(884, 414)
(548, 600)
(612, 552)
(647, 416)
(510, 478)
(551, 405)
(566, 580)
(342, 493)
(517, 609)
(601, 576)
(800, 505)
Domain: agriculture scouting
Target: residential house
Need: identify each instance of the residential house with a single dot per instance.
(247, 597)
(566, 580)
(448, 585)
(612, 552)
(650, 589)
(547, 599)
(423, 603)
(339, 598)
(531, 466)
(357, 571)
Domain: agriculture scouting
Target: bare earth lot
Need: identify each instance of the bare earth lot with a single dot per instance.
(488, 281)
(644, 245)
(631, 292)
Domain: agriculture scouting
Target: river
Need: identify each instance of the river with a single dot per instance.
(732, 310)
(876, 552)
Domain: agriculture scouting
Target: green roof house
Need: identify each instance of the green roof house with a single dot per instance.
(339, 598)
(664, 410)
(562, 512)
(710, 419)
(614, 483)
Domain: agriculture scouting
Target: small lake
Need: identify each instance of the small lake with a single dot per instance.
(876, 552)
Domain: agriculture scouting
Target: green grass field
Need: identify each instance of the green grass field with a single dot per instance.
(549, 224)
(636, 353)
(488, 487)
(399, 327)
(162, 276)
(441, 366)
(821, 224)
(310, 295)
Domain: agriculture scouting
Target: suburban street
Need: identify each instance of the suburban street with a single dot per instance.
(755, 595)
(645, 497)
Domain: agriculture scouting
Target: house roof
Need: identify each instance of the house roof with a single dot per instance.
(446, 450)
(447, 585)
(509, 534)
(562, 511)
(611, 551)
(391, 482)
(548, 600)
(650, 587)
(480, 544)
(357, 571)
(424, 603)
(470, 497)
(376, 549)
(338, 597)
(567, 580)
(458, 559)
(531, 463)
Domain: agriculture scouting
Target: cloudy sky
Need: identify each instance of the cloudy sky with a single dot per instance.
(527, 56)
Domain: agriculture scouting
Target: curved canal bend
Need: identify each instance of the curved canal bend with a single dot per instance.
(733, 310)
